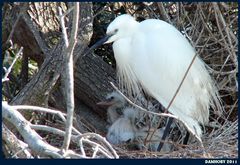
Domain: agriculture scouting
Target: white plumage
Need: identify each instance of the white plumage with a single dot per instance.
(154, 55)
(121, 131)
(128, 124)
(124, 130)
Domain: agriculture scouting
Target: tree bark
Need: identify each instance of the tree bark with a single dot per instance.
(92, 74)
(11, 144)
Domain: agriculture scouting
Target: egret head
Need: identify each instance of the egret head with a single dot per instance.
(114, 100)
(120, 27)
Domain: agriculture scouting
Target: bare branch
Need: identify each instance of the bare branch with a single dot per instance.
(13, 28)
(52, 130)
(95, 151)
(34, 141)
(46, 110)
(63, 27)
(101, 139)
(69, 80)
(32, 138)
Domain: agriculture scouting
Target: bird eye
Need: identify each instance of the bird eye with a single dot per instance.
(110, 98)
(116, 30)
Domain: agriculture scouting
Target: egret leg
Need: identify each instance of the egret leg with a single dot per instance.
(165, 134)
(185, 140)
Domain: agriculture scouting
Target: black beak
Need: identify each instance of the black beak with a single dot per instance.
(97, 44)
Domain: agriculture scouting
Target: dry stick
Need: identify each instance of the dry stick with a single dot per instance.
(100, 138)
(46, 110)
(99, 12)
(67, 12)
(226, 28)
(72, 154)
(10, 68)
(63, 27)
(173, 98)
(81, 147)
(69, 80)
(95, 151)
(13, 28)
(22, 150)
(202, 17)
(101, 149)
(31, 137)
(52, 130)
(73, 137)
(185, 75)
(34, 141)
(164, 13)
(231, 110)
(224, 40)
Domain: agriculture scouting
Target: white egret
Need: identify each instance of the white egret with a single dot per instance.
(153, 55)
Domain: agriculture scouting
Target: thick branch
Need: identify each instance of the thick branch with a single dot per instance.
(11, 144)
(34, 141)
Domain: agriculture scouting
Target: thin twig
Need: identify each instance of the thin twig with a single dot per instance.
(63, 27)
(13, 28)
(227, 29)
(52, 130)
(34, 141)
(180, 85)
(10, 68)
(46, 110)
(32, 138)
(163, 12)
(95, 152)
(22, 150)
(101, 148)
(102, 139)
(81, 147)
